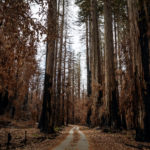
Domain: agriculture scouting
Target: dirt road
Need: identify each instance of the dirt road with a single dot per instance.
(76, 140)
(72, 137)
(83, 138)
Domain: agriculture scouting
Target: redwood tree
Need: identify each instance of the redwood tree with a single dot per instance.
(111, 102)
(46, 122)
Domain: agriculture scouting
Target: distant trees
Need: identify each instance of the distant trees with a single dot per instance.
(62, 76)
(84, 17)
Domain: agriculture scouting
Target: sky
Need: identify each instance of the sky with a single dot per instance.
(75, 32)
(78, 45)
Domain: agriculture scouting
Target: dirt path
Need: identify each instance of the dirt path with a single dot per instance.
(76, 140)
(73, 137)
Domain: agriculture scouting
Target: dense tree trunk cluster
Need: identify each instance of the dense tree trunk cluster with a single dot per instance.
(62, 75)
(119, 63)
(117, 43)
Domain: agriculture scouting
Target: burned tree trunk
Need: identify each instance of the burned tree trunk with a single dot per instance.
(139, 28)
(46, 122)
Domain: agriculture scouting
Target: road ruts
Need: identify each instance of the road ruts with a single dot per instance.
(70, 144)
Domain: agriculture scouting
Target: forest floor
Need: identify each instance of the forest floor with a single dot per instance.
(35, 139)
(73, 137)
(106, 140)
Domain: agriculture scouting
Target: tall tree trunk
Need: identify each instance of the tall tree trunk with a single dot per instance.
(64, 82)
(139, 27)
(111, 104)
(73, 87)
(87, 58)
(68, 89)
(55, 64)
(59, 83)
(78, 77)
(46, 123)
(95, 61)
(95, 41)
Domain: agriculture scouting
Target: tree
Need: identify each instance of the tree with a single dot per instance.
(139, 36)
(111, 102)
(18, 38)
(59, 83)
(84, 17)
(46, 122)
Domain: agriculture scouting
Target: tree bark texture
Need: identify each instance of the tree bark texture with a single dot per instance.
(46, 122)
(111, 102)
(139, 12)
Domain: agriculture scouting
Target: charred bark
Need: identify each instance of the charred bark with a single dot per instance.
(46, 123)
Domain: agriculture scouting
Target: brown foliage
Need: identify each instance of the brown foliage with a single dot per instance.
(18, 49)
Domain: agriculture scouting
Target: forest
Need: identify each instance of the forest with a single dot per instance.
(60, 93)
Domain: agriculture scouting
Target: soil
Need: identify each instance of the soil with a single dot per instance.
(106, 140)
